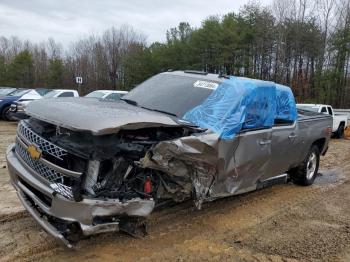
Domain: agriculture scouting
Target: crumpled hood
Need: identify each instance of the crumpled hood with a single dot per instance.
(95, 116)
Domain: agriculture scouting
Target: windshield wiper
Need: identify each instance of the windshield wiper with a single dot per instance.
(129, 101)
(160, 111)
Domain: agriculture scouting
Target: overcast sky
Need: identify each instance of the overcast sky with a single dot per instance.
(68, 20)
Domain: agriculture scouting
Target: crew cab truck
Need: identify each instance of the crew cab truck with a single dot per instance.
(86, 166)
(340, 122)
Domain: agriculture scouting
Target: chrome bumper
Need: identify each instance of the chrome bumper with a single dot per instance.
(31, 190)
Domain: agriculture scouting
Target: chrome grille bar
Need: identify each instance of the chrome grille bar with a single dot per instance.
(25, 131)
(54, 178)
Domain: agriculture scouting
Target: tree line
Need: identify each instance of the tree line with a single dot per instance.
(300, 43)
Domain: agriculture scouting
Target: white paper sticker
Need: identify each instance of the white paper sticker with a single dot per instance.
(206, 84)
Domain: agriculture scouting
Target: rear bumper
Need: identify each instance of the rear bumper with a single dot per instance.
(41, 201)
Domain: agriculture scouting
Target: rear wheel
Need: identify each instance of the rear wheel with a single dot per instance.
(340, 131)
(5, 113)
(306, 172)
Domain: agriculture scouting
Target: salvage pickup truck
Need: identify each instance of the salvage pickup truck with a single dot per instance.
(84, 166)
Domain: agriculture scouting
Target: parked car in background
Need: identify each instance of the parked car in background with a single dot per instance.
(7, 100)
(86, 166)
(340, 122)
(19, 95)
(17, 109)
(62, 93)
(5, 91)
(113, 95)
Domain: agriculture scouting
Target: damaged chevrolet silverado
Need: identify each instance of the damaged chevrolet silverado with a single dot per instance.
(82, 166)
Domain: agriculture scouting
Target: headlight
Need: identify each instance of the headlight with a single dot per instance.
(21, 106)
(0, 100)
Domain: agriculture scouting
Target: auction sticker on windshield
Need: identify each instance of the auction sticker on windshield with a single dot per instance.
(206, 84)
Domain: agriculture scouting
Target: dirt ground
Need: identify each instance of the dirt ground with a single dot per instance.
(281, 223)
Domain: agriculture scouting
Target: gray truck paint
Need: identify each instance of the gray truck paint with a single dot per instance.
(99, 118)
(202, 161)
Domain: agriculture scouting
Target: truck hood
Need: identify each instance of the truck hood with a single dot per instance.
(95, 116)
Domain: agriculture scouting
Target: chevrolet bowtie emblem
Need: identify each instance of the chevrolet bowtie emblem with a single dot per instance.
(34, 152)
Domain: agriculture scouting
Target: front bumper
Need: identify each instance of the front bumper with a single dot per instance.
(17, 116)
(42, 202)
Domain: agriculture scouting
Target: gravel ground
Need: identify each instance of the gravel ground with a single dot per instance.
(281, 223)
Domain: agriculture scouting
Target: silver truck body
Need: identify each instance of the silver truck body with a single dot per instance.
(195, 164)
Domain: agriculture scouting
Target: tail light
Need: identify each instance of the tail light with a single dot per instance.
(328, 131)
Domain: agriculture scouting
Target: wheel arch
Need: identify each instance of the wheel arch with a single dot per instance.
(320, 143)
(2, 107)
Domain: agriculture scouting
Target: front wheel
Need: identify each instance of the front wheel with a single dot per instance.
(306, 172)
(5, 113)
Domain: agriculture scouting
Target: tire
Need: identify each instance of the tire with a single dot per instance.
(340, 132)
(306, 172)
(4, 113)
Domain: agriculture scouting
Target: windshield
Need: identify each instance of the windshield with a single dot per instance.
(96, 94)
(6, 91)
(42, 91)
(169, 93)
(309, 108)
(20, 92)
(51, 94)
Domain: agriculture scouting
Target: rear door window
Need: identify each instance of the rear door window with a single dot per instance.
(113, 96)
(66, 94)
(330, 111)
(324, 110)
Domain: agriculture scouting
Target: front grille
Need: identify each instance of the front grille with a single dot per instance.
(54, 178)
(46, 146)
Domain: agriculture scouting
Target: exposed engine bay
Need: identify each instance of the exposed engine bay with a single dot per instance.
(111, 163)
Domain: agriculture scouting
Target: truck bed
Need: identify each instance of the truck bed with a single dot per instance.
(304, 115)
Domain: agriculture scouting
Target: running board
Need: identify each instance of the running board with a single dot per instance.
(281, 179)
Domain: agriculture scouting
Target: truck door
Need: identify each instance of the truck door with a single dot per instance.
(284, 151)
(252, 156)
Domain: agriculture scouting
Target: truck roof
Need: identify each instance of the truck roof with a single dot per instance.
(111, 91)
(313, 105)
(65, 90)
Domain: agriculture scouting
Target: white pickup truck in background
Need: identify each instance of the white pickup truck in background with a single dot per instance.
(340, 121)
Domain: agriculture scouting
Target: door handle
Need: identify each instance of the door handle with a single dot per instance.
(292, 136)
(264, 142)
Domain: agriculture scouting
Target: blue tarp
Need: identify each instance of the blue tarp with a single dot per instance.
(285, 108)
(242, 103)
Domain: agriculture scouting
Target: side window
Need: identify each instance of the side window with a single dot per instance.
(330, 111)
(114, 96)
(324, 110)
(66, 94)
(283, 122)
